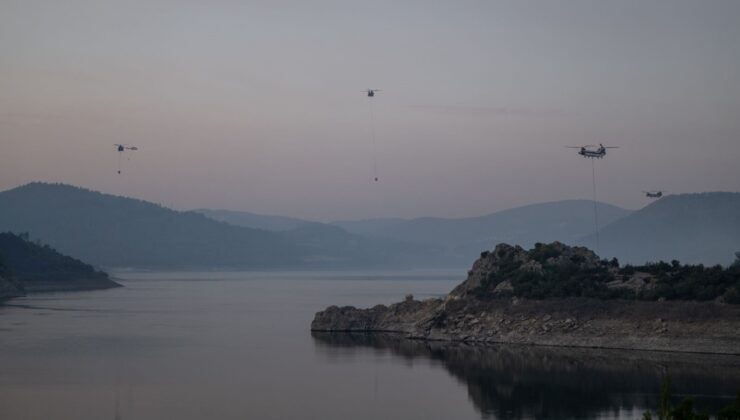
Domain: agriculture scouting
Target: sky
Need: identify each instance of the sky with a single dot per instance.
(258, 106)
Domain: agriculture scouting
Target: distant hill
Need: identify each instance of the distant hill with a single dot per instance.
(692, 228)
(565, 221)
(253, 220)
(114, 231)
(41, 268)
(331, 245)
(117, 231)
(328, 243)
(371, 227)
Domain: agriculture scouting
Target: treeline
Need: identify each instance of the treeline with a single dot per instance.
(555, 270)
(30, 261)
(675, 281)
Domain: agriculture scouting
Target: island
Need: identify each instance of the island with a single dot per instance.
(559, 295)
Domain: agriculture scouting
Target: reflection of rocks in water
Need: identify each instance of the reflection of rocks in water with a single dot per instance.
(559, 382)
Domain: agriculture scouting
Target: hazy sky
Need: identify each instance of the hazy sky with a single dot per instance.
(257, 105)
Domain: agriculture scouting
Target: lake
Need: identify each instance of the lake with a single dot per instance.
(237, 345)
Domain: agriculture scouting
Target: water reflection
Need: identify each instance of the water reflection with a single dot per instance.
(517, 381)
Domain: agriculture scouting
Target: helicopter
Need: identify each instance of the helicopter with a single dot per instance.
(120, 148)
(371, 92)
(588, 151)
(653, 194)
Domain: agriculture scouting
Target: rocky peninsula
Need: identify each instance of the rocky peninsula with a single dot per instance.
(556, 295)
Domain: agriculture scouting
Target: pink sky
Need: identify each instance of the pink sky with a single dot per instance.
(251, 106)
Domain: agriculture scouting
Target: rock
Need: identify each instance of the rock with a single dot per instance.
(476, 311)
(504, 287)
(637, 282)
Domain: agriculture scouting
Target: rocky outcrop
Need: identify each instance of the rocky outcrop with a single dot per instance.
(483, 309)
(403, 316)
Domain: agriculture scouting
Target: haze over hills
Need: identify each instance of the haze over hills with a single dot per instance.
(692, 228)
(253, 220)
(456, 239)
(115, 231)
(371, 227)
(328, 242)
(565, 221)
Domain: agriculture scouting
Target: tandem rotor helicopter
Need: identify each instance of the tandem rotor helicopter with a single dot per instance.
(593, 152)
(588, 151)
(653, 194)
(371, 92)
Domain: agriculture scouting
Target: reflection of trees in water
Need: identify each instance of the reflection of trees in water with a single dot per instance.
(553, 382)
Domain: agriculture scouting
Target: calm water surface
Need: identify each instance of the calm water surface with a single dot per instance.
(237, 346)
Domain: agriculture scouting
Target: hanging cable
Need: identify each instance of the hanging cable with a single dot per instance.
(596, 212)
(372, 134)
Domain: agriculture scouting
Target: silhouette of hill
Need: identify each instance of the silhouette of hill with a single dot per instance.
(565, 221)
(113, 231)
(329, 244)
(41, 268)
(692, 228)
(117, 231)
(253, 220)
(370, 227)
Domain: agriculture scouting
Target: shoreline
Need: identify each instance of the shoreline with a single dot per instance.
(35, 288)
(676, 326)
(558, 295)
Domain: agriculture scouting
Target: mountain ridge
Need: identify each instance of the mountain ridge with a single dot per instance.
(115, 231)
(253, 220)
(692, 228)
(120, 231)
(566, 221)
